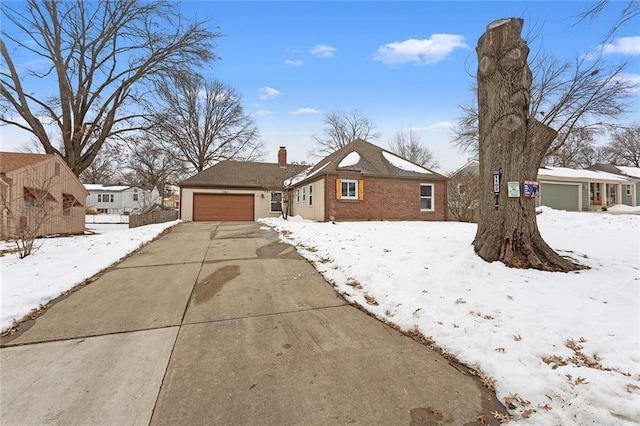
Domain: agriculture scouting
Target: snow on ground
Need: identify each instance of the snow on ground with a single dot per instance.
(59, 264)
(566, 346)
(106, 218)
(563, 348)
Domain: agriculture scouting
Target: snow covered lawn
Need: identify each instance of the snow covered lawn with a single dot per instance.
(563, 348)
(59, 264)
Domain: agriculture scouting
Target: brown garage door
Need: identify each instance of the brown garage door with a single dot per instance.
(222, 207)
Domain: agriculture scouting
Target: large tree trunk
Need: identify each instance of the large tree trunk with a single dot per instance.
(513, 144)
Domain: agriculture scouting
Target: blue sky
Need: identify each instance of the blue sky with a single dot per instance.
(401, 64)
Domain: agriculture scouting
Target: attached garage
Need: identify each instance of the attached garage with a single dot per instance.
(223, 207)
(560, 196)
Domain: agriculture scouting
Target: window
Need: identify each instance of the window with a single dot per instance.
(297, 195)
(628, 189)
(35, 197)
(276, 202)
(310, 195)
(101, 211)
(68, 201)
(105, 198)
(304, 194)
(349, 189)
(426, 197)
(135, 197)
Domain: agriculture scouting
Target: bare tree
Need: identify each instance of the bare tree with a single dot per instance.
(152, 165)
(406, 143)
(463, 193)
(28, 209)
(578, 151)
(97, 58)
(629, 11)
(341, 128)
(204, 122)
(624, 147)
(512, 145)
(583, 95)
(103, 168)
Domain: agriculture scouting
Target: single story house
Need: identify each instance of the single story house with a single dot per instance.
(594, 188)
(630, 191)
(584, 189)
(121, 199)
(363, 181)
(237, 190)
(40, 195)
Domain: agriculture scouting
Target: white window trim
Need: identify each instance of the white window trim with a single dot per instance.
(433, 202)
(348, 197)
(310, 198)
(271, 202)
(304, 194)
(628, 190)
(298, 196)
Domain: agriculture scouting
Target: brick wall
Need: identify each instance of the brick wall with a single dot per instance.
(386, 199)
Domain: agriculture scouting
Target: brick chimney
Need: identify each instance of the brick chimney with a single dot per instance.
(282, 156)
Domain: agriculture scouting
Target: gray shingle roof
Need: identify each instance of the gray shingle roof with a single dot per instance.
(243, 174)
(372, 161)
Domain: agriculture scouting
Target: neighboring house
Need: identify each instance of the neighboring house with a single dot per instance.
(583, 190)
(236, 190)
(39, 193)
(595, 188)
(362, 181)
(630, 191)
(121, 199)
(463, 193)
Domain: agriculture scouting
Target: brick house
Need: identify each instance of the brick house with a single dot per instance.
(40, 193)
(358, 182)
(363, 181)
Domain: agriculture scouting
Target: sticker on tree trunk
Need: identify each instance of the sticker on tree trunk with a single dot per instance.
(531, 189)
(513, 189)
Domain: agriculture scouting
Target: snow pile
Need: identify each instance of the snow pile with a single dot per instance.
(59, 264)
(351, 159)
(563, 348)
(403, 164)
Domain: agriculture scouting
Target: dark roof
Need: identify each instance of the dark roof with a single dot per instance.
(609, 168)
(372, 161)
(10, 161)
(244, 174)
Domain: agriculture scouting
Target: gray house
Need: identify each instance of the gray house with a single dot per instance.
(630, 192)
(585, 189)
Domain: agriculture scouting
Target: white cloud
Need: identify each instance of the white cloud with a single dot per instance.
(263, 112)
(268, 93)
(306, 111)
(426, 51)
(293, 62)
(323, 51)
(622, 45)
(441, 125)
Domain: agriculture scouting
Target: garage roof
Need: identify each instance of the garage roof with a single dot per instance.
(243, 174)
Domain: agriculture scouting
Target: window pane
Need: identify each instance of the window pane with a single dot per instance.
(425, 203)
(425, 190)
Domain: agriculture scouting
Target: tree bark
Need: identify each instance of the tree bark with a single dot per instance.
(513, 144)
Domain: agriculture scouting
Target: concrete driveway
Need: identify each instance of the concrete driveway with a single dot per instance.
(220, 323)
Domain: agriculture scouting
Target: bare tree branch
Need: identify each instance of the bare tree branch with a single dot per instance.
(341, 128)
(97, 59)
(406, 143)
(203, 122)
